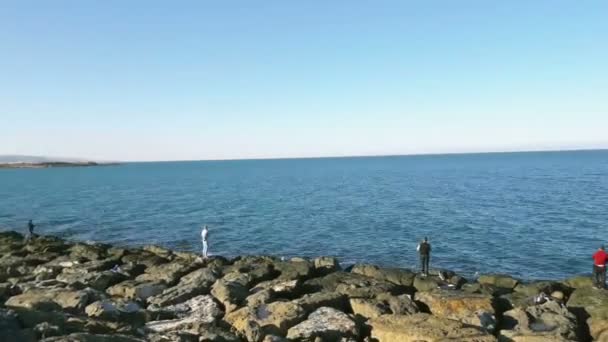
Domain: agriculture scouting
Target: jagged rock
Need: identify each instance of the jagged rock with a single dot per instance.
(132, 289)
(498, 280)
(313, 301)
(326, 323)
(44, 330)
(89, 252)
(369, 308)
(113, 310)
(324, 265)
(196, 283)
(394, 275)
(399, 305)
(44, 272)
(533, 289)
(160, 251)
(87, 337)
(274, 318)
(190, 315)
(249, 271)
(424, 327)
(168, 273)
(591, 304)
(351, 284)
(229, 293)
(96, 280)
(47, 300)
(423, 284)
(294, 270)
(145, 258)
(579, 282)
(549, 319)
(260, 297)
(473, 309)
(280, 287)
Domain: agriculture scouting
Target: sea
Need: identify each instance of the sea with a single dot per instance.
(534, 215)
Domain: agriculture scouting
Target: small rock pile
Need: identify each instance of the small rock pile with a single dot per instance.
(56, 290)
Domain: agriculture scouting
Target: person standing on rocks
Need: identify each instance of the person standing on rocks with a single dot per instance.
(204, 236)
(30, 228)
(599, 267)
(424, 249)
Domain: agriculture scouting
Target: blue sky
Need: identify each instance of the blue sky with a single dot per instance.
(174, 80)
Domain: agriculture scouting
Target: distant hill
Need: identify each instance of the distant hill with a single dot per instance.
(15, 158)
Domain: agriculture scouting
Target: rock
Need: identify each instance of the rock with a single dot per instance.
(86, 251)
(558, 295)
(44, 330)
(131, 289)
(96, 280)
(326, 323)
(533, 289)
(30, 318)
(313, 301)
(394, 275)
(424, 327)
(274, 318)
(87, 337)
(498, 280)
(324, 265)
(294, 270)
(160, 251)
(399, 305)
(193, 314)
(260, 297)
(369, 308)
(274, 338)
(578, 282)
(230, 294)
(193, 284)
(9, 325)
(473, 309)
(351, 284)
(591, 304)
(546, 320)
(423, 284)
(47, 300)
(123, 311)
(280, 288)
(145, 258)
(471, 288)
(168, 273)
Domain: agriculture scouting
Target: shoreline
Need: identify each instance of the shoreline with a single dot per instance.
(45, 165)
(52, 289)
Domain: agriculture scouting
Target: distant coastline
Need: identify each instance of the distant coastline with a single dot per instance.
(43, 165)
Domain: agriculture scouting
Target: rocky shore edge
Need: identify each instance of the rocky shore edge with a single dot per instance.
(56, 290)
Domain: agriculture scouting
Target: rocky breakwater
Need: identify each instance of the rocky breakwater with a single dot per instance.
(55, 290)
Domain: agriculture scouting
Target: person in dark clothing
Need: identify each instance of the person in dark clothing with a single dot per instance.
(424, 249)
(599, 268)
(30, 228)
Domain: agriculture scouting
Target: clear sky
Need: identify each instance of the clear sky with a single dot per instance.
(174, 80)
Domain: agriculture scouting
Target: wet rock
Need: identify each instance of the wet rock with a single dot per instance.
(394, 275)
(325, 265)
(48, 300)
(424, 327)
(326, 323)
(190, 316)
(230, 294)
(274, 318)
(132, 289)
(546, 320)
(473, 309)
(498, 280)
(313, 301)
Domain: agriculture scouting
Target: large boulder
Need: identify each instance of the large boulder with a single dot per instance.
(394, 275)
(326, 323)
(230, 294)
(498, 280)
(351, 284)
(190, 315)
(313, 301)
(423, 284)
(579, 282)
(547, 320)
(534, 288)
(275, 318)
(280, 287)
(325, 265)
(424, 327)
(383, 304)
(399, 305)
(168, 273)
(117, 310)
(48, 300)
(88, 337)
(96, 280)
(473, 309)
(591, 304)
(294, 270)
(88, 251)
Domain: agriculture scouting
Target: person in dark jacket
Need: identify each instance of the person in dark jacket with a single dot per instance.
(30, 228)
(424, 249)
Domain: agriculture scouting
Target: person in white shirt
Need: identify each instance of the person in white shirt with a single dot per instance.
(204, 236)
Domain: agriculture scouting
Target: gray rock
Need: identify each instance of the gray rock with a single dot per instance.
(314, 301)
(230, 294)
(47, 300)
(548, 320)
(325, 265)
(275, 318)
(326, 323)
(191, 315)
(394, 275)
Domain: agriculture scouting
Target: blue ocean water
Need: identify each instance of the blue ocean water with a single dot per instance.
(534, 215)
